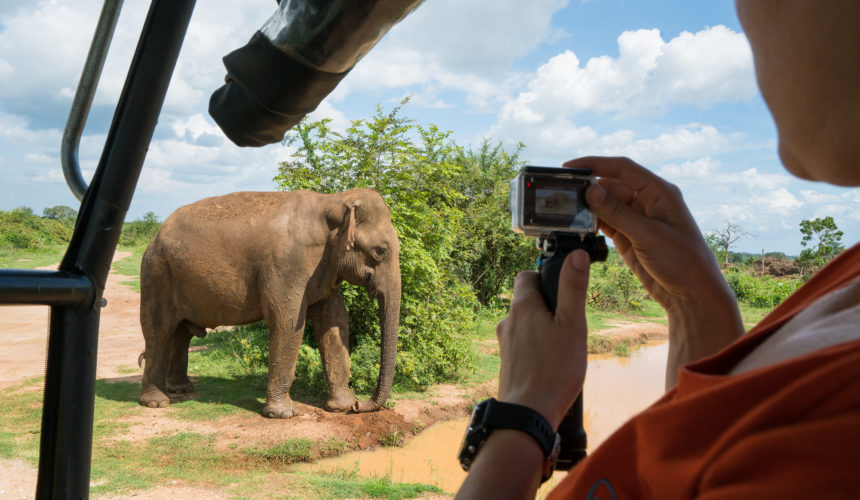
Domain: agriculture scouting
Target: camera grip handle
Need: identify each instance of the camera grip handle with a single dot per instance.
(573, 438)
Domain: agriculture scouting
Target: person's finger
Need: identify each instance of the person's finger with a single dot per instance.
(616, 213)
(526, 289)
(618, 190)
(573, 288)
(625, 170)
(628, 196)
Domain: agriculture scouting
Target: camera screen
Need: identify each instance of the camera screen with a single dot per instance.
(554, 202)
(551, 199)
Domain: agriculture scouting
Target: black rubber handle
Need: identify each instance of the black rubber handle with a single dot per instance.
(573, 438)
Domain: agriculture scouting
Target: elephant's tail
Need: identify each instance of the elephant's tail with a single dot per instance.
(140, 359)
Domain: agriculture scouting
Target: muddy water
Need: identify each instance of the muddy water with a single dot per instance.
(615, 389)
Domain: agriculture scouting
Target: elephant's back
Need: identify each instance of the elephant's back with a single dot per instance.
(243, 206)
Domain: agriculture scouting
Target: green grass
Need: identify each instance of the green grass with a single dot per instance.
(20, 421)
(753, 315)
(392, 439)
(291, 451)
(30, 259)
(121, 465)
(343, 483)
(130, 266)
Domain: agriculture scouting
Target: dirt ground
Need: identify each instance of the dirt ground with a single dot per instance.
(22, 356)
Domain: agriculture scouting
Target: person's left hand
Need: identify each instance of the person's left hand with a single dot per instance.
(544, 354)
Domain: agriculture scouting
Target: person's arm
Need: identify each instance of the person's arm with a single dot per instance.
(543, 360)
(508, 466)
(657, 237)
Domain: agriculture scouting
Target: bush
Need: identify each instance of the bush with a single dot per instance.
(250, 346)
(21, 229)
(418, 172)
(614, 287)
(140, 231)
(764, 291)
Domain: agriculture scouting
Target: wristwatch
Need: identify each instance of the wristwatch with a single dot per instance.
(491, 414)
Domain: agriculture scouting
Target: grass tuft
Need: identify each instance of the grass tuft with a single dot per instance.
(291, 451)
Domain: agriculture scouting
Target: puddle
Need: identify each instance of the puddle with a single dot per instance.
(615, 390)
(618, 388)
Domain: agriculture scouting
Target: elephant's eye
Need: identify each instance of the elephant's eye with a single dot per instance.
(379, 253)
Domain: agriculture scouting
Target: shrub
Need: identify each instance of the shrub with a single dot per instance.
(250, 346)
(140, 231)
(416, 171)
(21, 229)
(614, 287)
(764, 291)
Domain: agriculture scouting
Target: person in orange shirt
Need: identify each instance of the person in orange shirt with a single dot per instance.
(773, 413)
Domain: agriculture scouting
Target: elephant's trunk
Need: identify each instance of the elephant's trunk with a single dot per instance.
(388, 298)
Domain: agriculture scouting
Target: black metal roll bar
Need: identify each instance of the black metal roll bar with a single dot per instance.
(74, 292)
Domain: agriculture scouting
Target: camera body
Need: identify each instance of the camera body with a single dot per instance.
(549, 203)
(549, 199)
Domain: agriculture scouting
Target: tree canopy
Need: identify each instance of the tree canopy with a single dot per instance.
(824, 239)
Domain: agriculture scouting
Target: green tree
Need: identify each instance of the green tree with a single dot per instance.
(140, 231)
(824, 239)
(60, 212)
(488, 253)
(414, 169)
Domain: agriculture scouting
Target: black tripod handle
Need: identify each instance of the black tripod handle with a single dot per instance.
(573, 438)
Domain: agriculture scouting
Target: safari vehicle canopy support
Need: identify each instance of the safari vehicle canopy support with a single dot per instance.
(74, 292)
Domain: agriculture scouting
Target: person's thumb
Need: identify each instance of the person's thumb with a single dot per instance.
(573, 289)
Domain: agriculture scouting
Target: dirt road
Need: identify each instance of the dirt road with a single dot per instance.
(25, 334)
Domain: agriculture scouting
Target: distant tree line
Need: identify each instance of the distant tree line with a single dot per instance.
(821, 235)
(22, 229)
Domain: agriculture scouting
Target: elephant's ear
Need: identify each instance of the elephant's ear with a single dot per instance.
(350, 226)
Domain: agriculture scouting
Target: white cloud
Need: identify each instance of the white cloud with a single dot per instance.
(777, 200)
(54, 176)
(812, 196)
(650, 75)
(496, 33)
(698, 169)
(683, 142)
(561, 138)
(38, 158)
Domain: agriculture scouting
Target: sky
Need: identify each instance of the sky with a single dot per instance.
(668, 83)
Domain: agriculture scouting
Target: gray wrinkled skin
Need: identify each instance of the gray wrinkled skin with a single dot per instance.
(243, 257)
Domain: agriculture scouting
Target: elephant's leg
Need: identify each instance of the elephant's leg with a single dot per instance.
(331, 327)
(156, 334)
(286, 328)
(177, 364)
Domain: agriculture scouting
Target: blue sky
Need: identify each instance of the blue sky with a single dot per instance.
(669, 83)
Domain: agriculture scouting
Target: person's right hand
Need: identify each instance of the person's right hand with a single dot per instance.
(655, 234)
(652, 229)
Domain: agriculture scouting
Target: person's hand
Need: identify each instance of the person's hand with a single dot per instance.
(653, 231)
(655, 234)
(543, 354)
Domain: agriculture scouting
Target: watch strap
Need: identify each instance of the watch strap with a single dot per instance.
(502, 415)
(491, 414)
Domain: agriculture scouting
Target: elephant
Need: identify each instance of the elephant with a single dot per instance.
(279, 256)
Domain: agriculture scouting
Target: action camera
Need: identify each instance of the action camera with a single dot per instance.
(549, 199)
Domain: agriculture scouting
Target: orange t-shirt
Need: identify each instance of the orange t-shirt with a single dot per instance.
(788, 430)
